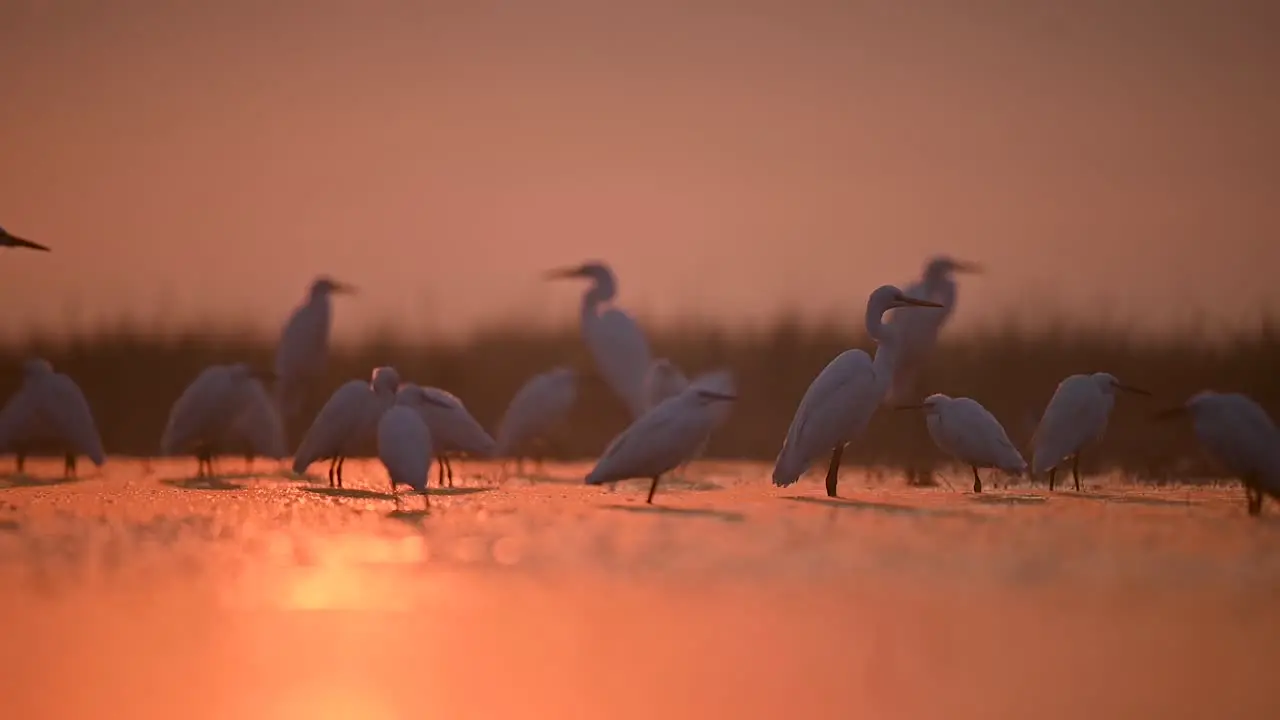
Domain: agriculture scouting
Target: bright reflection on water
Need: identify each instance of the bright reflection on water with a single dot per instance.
(130, 595)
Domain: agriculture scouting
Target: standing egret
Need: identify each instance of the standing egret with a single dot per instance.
(1076, 417)
(453, 430)
(663, 380)
(1241, 436)
(49, 410)
(917, 330)
(8, 239)
(968, 432)
(348, 422)
(303, 352)
(839, 403)
(203, 416)
(537, 409)
(404, 440)
(258, 428)
(615, 341)
(660, 440)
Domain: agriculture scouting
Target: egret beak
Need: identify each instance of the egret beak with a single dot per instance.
(8, 240)
(1170, 413)
(341, 288)
(918, 302)
(560, 273)
(1132, 389)
(713, 395)
(967, 267)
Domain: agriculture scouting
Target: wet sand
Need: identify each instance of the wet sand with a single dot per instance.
(135, 593)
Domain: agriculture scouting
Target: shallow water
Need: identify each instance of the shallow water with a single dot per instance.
(134, 593)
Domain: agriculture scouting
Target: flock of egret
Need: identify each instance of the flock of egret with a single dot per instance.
(228, 408)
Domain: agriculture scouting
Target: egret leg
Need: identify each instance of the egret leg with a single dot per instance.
(22, 461)
(248, 462)
(833, 470)
(69, 466)
(333, 462)
(440, 471)
(977, 480)
(341, 459)
(1052, 473)
(653, 487)
(1253, 499)
(448, 466)
(1075, 470)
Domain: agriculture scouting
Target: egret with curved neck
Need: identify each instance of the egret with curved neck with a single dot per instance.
(918, 330)
(614, 339)
(839, 403)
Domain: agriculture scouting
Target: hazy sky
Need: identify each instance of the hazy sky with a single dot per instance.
(195, 160)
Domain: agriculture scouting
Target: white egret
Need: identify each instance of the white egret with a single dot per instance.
(968, 432)
(201, 420)
(453, 429)
(663, 380)
(1241, 436)
(303, 351)
(616, 343)
(917, 330)
(347, 424)
(660, 440)
(404, 440)
(258, 428)
(8, 239)
(720, 381)
(1076, 417)
(537, 409)
(49, 410)
(839, 403)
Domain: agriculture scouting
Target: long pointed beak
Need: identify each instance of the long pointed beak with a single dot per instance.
(560, 273)
(345, 289)
(968, 267)
(920, 303)
(713, 395)
(14, 241)
(1132, 389)
(1170, 413)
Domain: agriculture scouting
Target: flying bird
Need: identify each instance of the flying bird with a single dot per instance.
(453, 430)
(8, 239)
(202, 419)
(49, 410)
(918, 330)
(615, 341)
(1241, 436)
(1075, 418)
(347, 425)
(839, 403)
(538, 408)
(404, 440)
(660, 440)
(303, 352)
(968, 432)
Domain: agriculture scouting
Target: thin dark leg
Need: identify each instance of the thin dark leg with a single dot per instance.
(653, 487)
(22, 461)
(333, 463)
(248, 462)
(69, 466)
(448, 466)
(977, 480)
(341, 460)
(1253, 499)
(1075, 470)
(440, 471)
(833, 471)
(1052, 473)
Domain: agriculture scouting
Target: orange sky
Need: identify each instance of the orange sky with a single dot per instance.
(731, 158)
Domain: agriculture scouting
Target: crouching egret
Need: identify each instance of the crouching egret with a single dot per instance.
(303, 351)
(537, 409)
(839, 403)
(613, 337)
(1241, 436)
(1075, 418)
(49, 410)
(660, 440)
(404, 440)
(8, 239)
(968, 432)
(453, 429)
(347, 424)
(202, 419)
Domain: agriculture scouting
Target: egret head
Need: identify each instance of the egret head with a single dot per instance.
(325, 285)
(35, 367)
(416, 396)
(1108, 384)
(930, 404)
(944, 265)
(593, 269)
(384, 380)
(8, 239)
(706, 396)
(888, 297)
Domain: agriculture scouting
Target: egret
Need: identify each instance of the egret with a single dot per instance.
(453, 429)
(917, 330)
(660, 440)
(258, 428)
(347, 424)
(537, 409)
(8, 239)
(663, 380)
(303, 352)
(49, 409)
(1076, 417)
(202, 418)
(404, 440)
(968, 432)
(720, 381)
(613, 338)
(1241, 436)
(839, 403)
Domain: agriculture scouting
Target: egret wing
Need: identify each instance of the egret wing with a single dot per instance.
(621, 353)
(67, 413)
(539, 404)
(834, 410)
(338, 422)
(1076, 414)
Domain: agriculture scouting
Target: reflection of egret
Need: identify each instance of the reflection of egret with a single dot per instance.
(839, 403)
(304, 344)
(537, 409)
(347, 424)
(49, 409)
(917, 330)
(1076, 416)
(203, 415)
(968, 432)
(453, 430)
(614, 339)
(660, 440)
(8, 239)
(1241, 436)
(404, 440)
